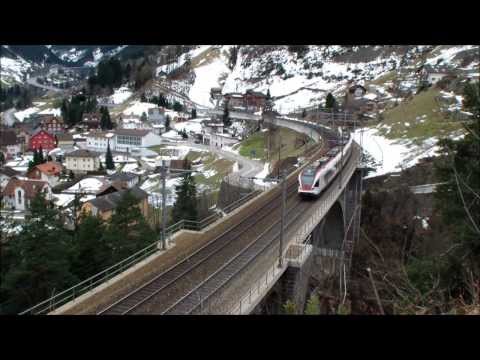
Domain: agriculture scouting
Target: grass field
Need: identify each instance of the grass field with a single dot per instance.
(158, 149)
(417, 119)
(210, 163)
(259, 143)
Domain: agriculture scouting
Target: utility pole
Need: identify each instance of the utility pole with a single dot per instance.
(282, 220)
(164, 207)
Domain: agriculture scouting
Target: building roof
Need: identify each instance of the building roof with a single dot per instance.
(132, 132)
(50, 119)
(235, 94)
(83, 153)
(50, 168)
(111, 201)
(255, 93)
(123, 176)
(30, 186)
(8, 137)
(64, 137)
(40, 130)
(156, 110)
(8, 171)
(100, 134)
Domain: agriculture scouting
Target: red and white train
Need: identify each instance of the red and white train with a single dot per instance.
(316, 176)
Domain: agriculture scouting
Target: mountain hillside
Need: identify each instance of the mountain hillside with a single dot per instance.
(19, 61)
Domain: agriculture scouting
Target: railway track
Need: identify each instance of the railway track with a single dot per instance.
(176, 290)
(192, 302)
(200, 264)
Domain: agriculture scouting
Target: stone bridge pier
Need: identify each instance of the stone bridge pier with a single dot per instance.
(326, 266)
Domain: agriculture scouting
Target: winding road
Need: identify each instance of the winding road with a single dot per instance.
(33, 81)
(248, 167)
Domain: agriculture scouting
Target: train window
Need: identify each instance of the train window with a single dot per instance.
(307, 179)
(328, 175)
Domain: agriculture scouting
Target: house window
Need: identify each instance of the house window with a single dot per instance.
(19, 193)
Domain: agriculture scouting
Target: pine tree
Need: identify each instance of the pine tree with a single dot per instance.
(143, 118)
(105, 121)
(226, 117)
(91, 254)
(313, 306)
(35, 157)
(41, 159)
(330, 102)
(458, 169)
(268, 95)
(185, 206)
(177, 106)
(167, 123)
(40, 266)
(127, 230)
(110, 165)
(64, 111)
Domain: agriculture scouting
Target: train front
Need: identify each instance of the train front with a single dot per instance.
(306, 182)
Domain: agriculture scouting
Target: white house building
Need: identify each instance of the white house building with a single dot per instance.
(98, 140)
(134, 139)
(158, 129)
(156, 115)
(81, 161)
(219, 140)
(49, 172)
(19, 192)
(6, 173)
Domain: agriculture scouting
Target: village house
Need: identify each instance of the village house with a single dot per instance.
(52, 124)
(82, 161)
(65, 141)
(104, 206)
(156, 115)
(23, 137)
(125, 180)
(158, 129)
(219, 140)
(133, 123)
(42, 139)
(431, 75)
(91, 120)
(251, 101)
(254, 100)
(133, 139)
(6, 173)
(49, 172)
(234, 100)
(19, 192)
(99, 140)
(216, 95)
(10, 145)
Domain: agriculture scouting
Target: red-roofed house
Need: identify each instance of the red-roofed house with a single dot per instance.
(49, 172)
(19, 193)
(42, 139)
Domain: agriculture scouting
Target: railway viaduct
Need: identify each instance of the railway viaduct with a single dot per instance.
(237, 264)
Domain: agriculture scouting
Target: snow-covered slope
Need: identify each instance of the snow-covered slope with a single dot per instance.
(208, 74)
(13, 70)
